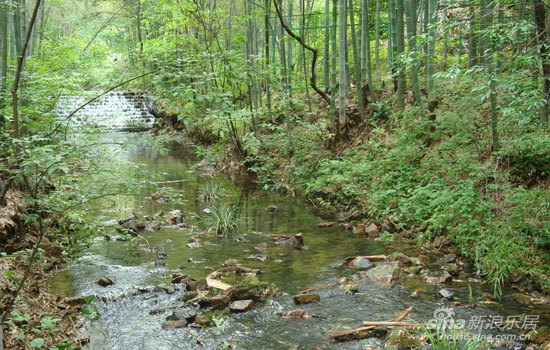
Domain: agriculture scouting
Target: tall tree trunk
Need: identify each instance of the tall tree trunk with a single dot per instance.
(141, 57)
(333, 55)
(267, 9)
(426, 24)
(432, 19)
(472, 39)
(17, 78)
(326, 62)
(286, 83)
(446, 39)
(348, 73)
(540, 13)
(5, 46)
(366, 64)
(356, 64)
(17, 29)
(35, 30)
(392, 52)
(11, 34)
(518, 47)
(289, 52)
(400, 53)
(535, 39)
(410, 13)
(377, 45)
(342, 58)
(489, 61)
(499, 46)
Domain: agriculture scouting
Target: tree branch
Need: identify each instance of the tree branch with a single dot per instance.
(313, 78)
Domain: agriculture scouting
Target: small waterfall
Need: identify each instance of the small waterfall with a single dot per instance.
(121, 111)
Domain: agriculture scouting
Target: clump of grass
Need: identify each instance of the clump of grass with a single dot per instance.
(443, 338)
(223, 219)
(211, 191)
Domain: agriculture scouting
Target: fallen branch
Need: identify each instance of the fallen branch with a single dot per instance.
(389, 324)
(350, 332)
(278, 237)
(326, 285)
(367, 326)
(403, 314)
(170, 182)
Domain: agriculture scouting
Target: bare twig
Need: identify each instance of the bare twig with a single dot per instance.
(313, 78)
(367, 326)
(104, 25)
(326, 285)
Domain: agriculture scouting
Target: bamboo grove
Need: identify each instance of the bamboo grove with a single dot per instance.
(336, 53)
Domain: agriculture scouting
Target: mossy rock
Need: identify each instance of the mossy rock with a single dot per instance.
(540, 336)
(385, 273)
(190, 295)
(249, 287)
(400, 338)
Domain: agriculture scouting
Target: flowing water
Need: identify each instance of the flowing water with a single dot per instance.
(125, 321)
(116, 110)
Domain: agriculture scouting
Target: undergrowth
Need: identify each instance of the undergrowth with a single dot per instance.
(437, 178)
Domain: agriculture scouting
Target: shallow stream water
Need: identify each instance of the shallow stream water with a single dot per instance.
(125, 321)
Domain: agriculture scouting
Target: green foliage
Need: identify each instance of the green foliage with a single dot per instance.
(219, 317)
(448, 338)
(90, 310)
(211, 191)
(449, 187)
(528, 157)
(223, 219)
(37, 343)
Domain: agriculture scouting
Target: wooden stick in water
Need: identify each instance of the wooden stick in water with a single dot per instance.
(326, 285)
(372, 325)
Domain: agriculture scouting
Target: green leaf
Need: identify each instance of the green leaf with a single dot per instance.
(31, 218)
(37, 343)
(64, 345)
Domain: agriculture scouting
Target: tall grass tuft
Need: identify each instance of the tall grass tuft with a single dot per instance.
(449, 339)
(223, 219)
(211, 191)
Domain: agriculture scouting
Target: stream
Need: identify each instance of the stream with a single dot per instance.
(142, 284)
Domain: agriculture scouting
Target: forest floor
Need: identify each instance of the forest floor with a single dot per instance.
(38, 318)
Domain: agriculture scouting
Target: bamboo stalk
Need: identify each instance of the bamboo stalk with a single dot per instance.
(334, 67)
(412, 49)
(431, 49)
(356, 64)
(342, 59)
(400, 51)
(326, 63)
(377, 45)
